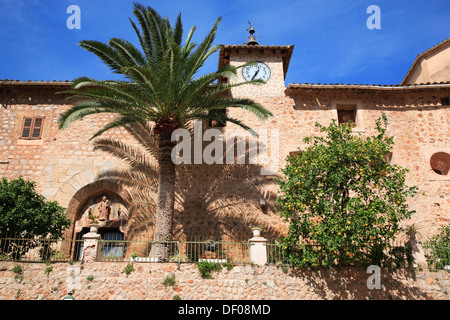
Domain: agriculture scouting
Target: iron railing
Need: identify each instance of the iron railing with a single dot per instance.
(115, 249)
(235, 251)
(36, 249)
(180, 251)
(397, 254)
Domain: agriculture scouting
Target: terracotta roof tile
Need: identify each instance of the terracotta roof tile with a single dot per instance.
(292, 86)
(34, 82)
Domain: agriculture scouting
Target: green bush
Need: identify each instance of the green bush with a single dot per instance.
(28, 217)
(205, 268)
(342, 200)
(438, 248)
(17, 269)
(129, 269)
(169, 280)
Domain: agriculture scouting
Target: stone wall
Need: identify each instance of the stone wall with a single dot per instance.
(223, 200)
(108, 281)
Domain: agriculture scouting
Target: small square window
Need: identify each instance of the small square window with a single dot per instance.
(217, 115)
(346, 113)
(445, 101)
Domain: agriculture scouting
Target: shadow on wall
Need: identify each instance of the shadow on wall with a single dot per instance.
(212, 201)
(224, 200)
(350, 283)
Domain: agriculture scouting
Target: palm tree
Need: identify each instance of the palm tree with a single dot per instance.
(160, 86)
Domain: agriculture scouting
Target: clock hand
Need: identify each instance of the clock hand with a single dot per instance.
(257, 70)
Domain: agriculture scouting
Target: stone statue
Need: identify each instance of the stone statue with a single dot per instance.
(104, 209)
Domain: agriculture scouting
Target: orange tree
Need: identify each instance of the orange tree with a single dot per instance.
(26, 218)
(343, 201)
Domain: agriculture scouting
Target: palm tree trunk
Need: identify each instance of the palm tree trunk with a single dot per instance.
(165, 198)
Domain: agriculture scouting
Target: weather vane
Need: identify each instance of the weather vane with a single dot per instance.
(252, 37)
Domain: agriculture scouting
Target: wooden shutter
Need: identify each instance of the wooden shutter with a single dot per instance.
(37, 128)
(27, 124)
(32, 128)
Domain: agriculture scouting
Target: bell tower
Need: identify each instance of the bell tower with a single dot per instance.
(271, 65)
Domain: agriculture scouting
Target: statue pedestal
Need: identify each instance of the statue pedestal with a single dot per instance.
(258, 250)
(90, 244)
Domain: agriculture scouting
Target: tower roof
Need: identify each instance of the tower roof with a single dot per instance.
(422, 56)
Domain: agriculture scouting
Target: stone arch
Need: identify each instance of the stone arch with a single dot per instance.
(93, 189)
(440, 163)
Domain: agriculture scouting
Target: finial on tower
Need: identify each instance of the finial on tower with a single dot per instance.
(251, 39)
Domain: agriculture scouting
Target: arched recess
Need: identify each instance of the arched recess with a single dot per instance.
(440, 163)
(87, 199)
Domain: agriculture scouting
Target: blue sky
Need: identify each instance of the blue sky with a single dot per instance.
(331, 38)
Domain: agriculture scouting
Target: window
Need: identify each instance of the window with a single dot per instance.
(112, 244)
(79, 245)
(32, 128)
(440, 163)
(445, 101)
(346, 113)
(217, 115)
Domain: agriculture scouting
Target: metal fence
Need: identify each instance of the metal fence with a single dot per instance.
(180, 251)
(235, 251)
(397, 254)
(116, 249)
(20, 248)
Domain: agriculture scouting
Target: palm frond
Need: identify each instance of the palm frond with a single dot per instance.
(128, 53)
(79, 111)
(143, 133)
(178, 31)
(104, 52)
(119, 122)
(143, 182)
(217, 103)
(132, 155)
(198, 57)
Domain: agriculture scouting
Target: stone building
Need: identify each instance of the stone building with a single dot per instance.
(226, 200)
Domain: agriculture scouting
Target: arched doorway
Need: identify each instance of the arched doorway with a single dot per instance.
(104, 203)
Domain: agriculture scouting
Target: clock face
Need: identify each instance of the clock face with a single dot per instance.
(260, 70)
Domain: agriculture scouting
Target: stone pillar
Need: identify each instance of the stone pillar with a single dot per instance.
(90, 244)
(258, 249)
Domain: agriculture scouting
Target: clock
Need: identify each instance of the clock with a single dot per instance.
(259, 70)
